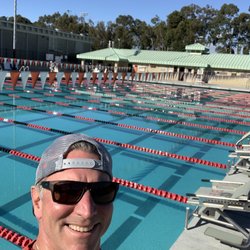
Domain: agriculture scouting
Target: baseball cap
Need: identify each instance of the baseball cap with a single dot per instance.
(52, 159)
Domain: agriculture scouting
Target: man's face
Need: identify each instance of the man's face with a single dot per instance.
(77, 226)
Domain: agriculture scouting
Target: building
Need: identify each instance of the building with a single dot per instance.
(195, 64)
(35, 43)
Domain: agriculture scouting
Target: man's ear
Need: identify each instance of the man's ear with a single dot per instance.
(36, 201)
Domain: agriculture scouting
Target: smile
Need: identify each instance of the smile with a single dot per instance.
(81, 229)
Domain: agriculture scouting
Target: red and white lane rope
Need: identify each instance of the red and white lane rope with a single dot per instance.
(126, 183)
(183, 123)
(146, 130)
(134, 147)
(13, 237)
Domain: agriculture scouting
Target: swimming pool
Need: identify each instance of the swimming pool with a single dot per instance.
(189, 126)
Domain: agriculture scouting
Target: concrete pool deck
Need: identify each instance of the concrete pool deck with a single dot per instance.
(237, 85)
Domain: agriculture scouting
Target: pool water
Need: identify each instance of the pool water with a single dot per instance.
(140, 220)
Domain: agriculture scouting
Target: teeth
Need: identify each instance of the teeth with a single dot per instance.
(80, 229)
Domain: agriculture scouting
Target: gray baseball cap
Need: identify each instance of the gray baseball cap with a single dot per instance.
(52, 159)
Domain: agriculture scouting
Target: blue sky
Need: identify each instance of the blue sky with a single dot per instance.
(108, 10)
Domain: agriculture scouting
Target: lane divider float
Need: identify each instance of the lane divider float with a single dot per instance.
(13, 237)
(146, 130)
(146, 109)
(134, 147)
(126, 183)
(137, 115)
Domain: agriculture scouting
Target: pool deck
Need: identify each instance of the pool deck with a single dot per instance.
(194, 237)
(236, 85)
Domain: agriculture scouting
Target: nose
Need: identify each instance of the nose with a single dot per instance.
(86, 207)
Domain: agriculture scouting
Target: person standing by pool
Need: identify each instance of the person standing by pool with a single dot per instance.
(73, 194)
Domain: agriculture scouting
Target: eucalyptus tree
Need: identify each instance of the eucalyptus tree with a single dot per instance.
(225, 27)
(193, 24)
(173, 38)
(184, 27)
(159, 32)
(99, 36)
(142, 33)
(48, 20)
(65, 22)
(208, 32)
(123, 32)
(110, 29)
(19, 19)
(241, 30)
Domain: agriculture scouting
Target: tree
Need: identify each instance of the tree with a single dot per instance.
(124, 32)
(159, 32)
(20, 19)
(184, 27)
(173, 21)
(225, 28)
(4, 18)
(241, 26)
(207, 32)
(224, 24)
(142, 35)
(194, 31)
(48, 21)
(99, 33)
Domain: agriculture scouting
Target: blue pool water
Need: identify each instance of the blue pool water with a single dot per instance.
(141, 220)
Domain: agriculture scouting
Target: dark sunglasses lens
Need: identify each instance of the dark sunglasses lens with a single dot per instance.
(104, 192)
(70, 192)
(67, 192)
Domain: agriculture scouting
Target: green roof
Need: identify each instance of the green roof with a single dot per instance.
(109, 54)
(195, 47)
(228, 61)
(171, 58)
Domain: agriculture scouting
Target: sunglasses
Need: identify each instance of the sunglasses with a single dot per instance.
(71, 192)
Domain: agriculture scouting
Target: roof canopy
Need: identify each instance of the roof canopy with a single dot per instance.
(196, 47)
(171, 58)
(109, 54)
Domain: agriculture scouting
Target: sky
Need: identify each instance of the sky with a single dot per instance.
(108, 10)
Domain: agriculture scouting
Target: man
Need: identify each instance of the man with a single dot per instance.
(73, 194)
